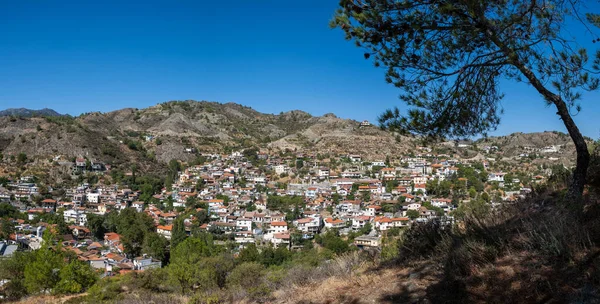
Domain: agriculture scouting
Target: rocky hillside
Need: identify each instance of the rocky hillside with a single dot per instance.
(163, 132)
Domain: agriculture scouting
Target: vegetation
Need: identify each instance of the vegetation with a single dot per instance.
(448, 59)
(49, 269)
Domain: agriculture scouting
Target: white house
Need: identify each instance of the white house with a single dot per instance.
(496, 177)
(308, 225)
(311, 192)
(280, 169)
(243, 224)
(93, 197)
(278, 227)
(360, 221)
(165, 231)
(413, 206)
(334, 223)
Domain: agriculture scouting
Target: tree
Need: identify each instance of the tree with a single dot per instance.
(155, 245)
(448, 57)
(6, 229)
(249, 254)
(186, 261)
(96, 225)
(412, 214)
(178, 234)
(75, 277)
(248, 275)
(21, 158)
(41, 273)
(8, 210)
(133, 227)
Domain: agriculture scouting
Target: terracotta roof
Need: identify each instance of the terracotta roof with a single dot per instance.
(167, 227)
(278, 224)
(332, 221)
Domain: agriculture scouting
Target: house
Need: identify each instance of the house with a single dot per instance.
(387, 173)
(144, 263)
(80, 232)
(349, 206)
(372, 210)
(323, 172)
(496, 177)
(441, 202)
(74, 216)
(359, 222)
(413, 206)
(115, 258)
(334, 223)
(165, 231)
(383, 223)
(308, 225)
(93, 198)
(243, 224)
(364, 123)
(280, 169)
(278, 227)
(281, 239)
(355, 158)
(367, 241)
(139, 206)
(420, 187)
(113, 241)
(311, 192)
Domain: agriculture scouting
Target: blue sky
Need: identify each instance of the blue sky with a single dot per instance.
(271, 55)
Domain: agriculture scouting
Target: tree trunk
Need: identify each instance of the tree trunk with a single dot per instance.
(583, 155)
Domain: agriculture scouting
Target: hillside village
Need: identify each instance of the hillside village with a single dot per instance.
(251, 196)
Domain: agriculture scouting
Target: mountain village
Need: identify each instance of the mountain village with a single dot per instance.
(257, 197)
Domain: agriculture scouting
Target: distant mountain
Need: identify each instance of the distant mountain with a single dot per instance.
(22, 112)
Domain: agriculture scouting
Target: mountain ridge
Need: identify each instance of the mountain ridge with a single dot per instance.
(163, 132)
(24, 112)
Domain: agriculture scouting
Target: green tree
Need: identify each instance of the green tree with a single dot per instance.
(178, 234)
(75, 277)
(13, 271)
(21, 158)
(186, 260)
(6, 229)
(249, 254)
(412, 214)
(8, 210)
(96, 225)
(448, 58)
(155, 245)
(133, 227)
(41, 274)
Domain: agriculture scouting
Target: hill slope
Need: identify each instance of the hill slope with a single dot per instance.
(120, 136)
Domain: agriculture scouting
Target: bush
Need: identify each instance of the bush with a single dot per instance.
(420, 240)
(246, 275)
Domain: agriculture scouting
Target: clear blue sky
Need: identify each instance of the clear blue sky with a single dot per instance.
(272, 55)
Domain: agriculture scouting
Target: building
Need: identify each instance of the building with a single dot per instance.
(144, 263)
(367, 241)
(278, 227)
(165, 231)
